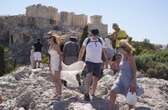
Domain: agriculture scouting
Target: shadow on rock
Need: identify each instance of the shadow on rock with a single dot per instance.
(142, 108)
(99, 103)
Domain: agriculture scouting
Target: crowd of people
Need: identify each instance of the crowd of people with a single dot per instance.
(113, 51)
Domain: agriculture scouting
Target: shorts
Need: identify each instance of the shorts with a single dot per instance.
(37, 56)
(94, 68)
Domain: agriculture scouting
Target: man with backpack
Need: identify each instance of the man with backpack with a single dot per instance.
(95, 49)
(70, 53)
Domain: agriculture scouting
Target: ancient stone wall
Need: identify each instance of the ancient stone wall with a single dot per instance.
(41, 11)
(96, 19)
(79, 20)
(63, 18)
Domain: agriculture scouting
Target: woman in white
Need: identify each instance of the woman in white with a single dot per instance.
(55, 62)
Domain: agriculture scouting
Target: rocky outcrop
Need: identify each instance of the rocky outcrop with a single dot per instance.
(25, 89)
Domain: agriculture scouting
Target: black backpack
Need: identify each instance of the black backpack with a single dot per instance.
(89, 40)
(71, 49)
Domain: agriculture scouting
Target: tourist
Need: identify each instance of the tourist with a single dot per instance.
(37, 53)
(117, 35)
(126, 80)
(109, 50)
(32, 57)
(55, 60)
(70, 53)
(94, 47)
(115, 63)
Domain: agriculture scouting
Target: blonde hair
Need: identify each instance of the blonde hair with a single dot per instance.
(124, 44)
(56, 37)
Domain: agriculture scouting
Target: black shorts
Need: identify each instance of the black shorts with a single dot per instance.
(94, 68)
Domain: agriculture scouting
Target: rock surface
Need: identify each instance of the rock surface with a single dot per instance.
(25, 89)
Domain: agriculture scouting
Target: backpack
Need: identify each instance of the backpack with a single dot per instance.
(71, 49)
(89, 40)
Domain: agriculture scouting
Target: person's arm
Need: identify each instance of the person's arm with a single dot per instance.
(60, 56)
(81, 53)
(64, 51)
(105, 54)
(49, 58)
(83, 49)
(104, 50)
(134, 69)
(78, 49)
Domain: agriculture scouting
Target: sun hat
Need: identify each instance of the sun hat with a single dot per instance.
(126, 46)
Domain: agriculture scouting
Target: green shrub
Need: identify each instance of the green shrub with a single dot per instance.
(2, 61)
(44, 59)
(154, 64)
(151, 72)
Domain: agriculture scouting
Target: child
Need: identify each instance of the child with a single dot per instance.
(115, 63)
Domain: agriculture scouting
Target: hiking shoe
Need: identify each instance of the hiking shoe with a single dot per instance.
(86, 97)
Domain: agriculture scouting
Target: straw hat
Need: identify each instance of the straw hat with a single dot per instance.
(126, 46)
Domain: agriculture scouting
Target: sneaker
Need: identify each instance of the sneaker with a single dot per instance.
(86, 97)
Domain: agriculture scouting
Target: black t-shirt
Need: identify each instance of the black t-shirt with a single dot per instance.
(38, 47)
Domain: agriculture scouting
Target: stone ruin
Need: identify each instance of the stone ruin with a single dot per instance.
(19, 32)
(66, 18)
(63, 18)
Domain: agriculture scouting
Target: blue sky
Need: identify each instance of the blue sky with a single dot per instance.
(139, 18)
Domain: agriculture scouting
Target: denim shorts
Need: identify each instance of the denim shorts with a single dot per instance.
(94, 68)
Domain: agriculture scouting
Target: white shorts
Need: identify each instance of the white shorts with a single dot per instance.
(37, 56)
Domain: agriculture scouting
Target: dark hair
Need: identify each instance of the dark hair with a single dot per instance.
(116, 56)
(115, 24)
(73, 39)
(95, 31)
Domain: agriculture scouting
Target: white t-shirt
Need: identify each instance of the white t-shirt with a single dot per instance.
(94, 50)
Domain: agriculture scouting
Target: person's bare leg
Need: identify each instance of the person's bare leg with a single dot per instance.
(113, 96)
(38, 64)
(87, 82)
(35, 64)
(58, 84)
(94, 85)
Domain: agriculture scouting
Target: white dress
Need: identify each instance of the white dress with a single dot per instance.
(54, 60)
